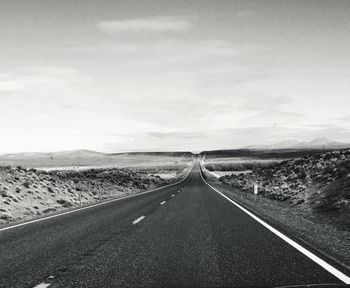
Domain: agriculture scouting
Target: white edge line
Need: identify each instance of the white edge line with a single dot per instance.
(340, 275)
(138, 219)
(42, 285)
(97, 204)
(161, 203)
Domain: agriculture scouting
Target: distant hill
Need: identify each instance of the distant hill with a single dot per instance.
(262, 153)
(286, 149)
(320, 143)
(170, 154)
(82, 158)
(62, 154)
(52, 159)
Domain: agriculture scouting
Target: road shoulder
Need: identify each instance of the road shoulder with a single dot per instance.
(327, 241)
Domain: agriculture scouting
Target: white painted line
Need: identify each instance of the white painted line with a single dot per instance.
(138, 219)
(340, 275)
(95, 205)
(42, 285)
(162, 203)
(173, 195)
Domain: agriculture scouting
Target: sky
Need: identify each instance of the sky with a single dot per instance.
(149, 75)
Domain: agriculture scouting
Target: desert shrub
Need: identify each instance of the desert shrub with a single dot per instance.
(299, 161)
(302, 174)
(297, 169)
(327, 156)
(342, 172)
(328, 170)
(64, 202)
(49, 210)
(5, 216)
(233, 166)
(346, 165)
(26, 184)
(4, 194)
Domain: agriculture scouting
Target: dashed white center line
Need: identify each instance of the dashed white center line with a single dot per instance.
(138, 219)
(161, 203)
(173, 195)
(42, 285)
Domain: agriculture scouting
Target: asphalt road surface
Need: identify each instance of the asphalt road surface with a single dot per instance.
(185, 235)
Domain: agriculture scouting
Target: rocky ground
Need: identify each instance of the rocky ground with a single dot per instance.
(319, 182)
(28, 193)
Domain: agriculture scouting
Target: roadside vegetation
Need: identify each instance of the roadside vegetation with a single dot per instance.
(236, 166)
(27, 193)
(320, 182)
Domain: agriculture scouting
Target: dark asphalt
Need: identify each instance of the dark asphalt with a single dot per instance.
(196, 239)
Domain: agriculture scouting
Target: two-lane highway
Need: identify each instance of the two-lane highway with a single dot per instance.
(184, 235)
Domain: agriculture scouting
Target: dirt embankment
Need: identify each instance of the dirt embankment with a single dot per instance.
(320, 182)
(28, 193)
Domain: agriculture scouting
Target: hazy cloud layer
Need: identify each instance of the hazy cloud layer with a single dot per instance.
(236, 137)
(153, 24)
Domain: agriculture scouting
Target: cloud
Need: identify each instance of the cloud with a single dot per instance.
(343, 119)
(246, 14)
(269, 110)
(175, 51)
(264, 102)
(179, 135)
(37, 79)
(109, 48)
(274, 117)
(30, 91)
(225, 138)
(154, 24)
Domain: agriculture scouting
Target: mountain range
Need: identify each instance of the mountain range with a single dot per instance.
(319, 143)
(85, 158)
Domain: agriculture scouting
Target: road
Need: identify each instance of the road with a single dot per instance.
(185, 235)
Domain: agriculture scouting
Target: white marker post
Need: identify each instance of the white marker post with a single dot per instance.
(255, 190)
